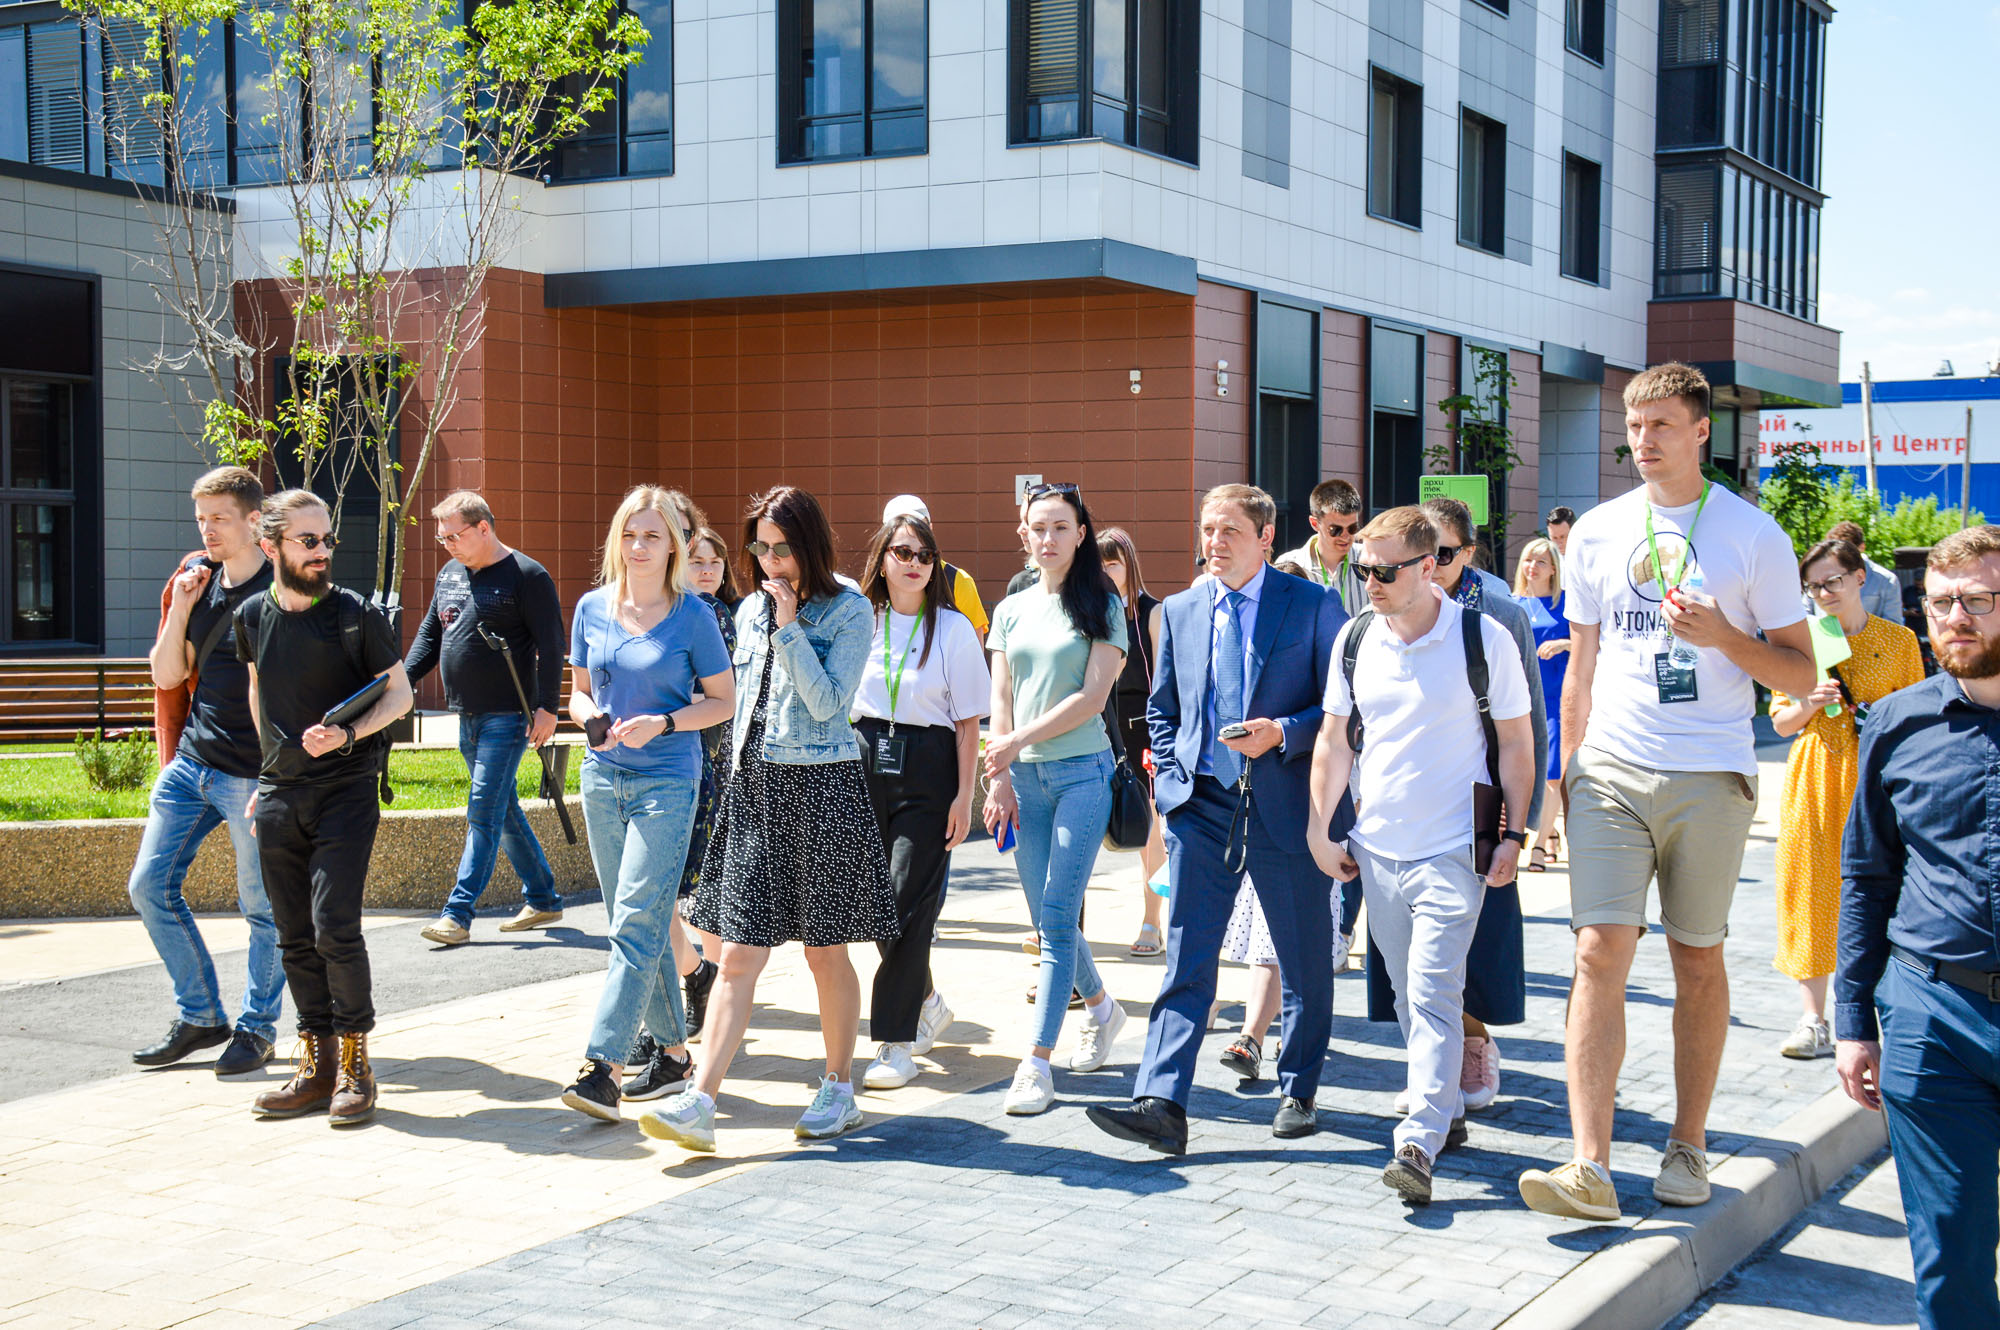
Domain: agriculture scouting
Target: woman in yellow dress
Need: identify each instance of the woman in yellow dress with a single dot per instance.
(1820, 776)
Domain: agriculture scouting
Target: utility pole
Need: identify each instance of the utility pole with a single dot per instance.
(1868, 424)
(1965, 487)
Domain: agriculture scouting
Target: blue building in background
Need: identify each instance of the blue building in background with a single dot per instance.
(1920, 438)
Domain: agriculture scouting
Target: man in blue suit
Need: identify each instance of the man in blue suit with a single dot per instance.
(1248, 647)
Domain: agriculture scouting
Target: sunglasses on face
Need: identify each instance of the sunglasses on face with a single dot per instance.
(1336, 529)
(1975, 603)
(904, 554)
(313, 542)
(1385, 573)
(1828, 587)
(760, 548)
(1446, 553)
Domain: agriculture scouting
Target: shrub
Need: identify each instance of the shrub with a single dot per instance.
(122, 763)
(1806, 504)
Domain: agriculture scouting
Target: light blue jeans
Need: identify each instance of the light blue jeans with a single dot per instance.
(189, 800)
(638, 826)
(492, 745)
(1065, 806)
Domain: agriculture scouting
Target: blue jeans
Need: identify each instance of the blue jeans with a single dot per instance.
(492, 745)
(189, 800)
(639, 827)
(1941, 1090)
(1065, 806)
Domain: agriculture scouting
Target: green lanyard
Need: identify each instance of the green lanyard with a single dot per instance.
(895, 681)
(1320, 573)
(1687, 545)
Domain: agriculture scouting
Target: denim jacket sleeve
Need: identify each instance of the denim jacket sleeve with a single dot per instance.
(827, 687)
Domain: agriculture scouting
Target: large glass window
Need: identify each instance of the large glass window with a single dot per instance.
(633, 134)
(853, 79)
(1395, 149)
(1122, 70)
(1583, 28)
(1482, 182)
(37, 510)
(41, 80)
(1582, 217)
(1395, 416)
(1287, 457)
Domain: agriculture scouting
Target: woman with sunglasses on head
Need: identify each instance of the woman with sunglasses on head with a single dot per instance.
(917, 711)
(794, 855)
(1056, 651)
(1820, 774)
(643, 648)
(1128, 700)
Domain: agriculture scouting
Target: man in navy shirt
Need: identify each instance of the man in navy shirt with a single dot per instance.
(1920, 937)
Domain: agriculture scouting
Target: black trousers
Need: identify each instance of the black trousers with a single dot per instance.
(911, 811)
(314, 842)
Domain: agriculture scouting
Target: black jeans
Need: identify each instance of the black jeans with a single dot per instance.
(314, 842)
(911, 811)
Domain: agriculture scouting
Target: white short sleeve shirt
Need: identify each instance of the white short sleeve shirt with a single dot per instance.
(952, 685)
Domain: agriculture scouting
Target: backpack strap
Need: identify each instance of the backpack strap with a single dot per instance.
(1349, 650)
(1475, 675)
(352, 610)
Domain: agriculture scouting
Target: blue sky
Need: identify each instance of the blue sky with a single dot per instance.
(1910, 240)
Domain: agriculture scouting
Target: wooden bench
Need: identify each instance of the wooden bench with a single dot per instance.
(53, 699)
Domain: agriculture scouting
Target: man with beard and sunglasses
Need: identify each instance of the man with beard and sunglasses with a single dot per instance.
(1918, 949)
(316, 807)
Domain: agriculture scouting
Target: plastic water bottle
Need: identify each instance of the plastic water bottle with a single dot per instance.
(1683, 653)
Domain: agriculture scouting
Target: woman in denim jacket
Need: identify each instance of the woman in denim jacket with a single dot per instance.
(794, 855)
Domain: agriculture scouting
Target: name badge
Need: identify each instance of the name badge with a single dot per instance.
(1676, 681)
(890, 750)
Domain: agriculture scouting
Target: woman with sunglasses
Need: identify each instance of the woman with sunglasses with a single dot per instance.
(794, 855)
(1128, 700)
(917, 711)
(642, 650)
(1056, 650)
(1820, 774)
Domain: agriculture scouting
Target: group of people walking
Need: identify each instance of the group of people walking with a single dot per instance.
(1370, 718)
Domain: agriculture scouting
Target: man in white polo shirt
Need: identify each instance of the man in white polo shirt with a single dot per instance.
(1423, 748)
(1667, 587)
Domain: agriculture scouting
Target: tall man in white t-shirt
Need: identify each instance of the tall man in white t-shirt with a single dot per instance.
(1667, 588)
(1423, 749)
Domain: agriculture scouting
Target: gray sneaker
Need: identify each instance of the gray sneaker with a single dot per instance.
(831, 1112)
(1811, 1040)
(1683, 1176)
(685, 1120)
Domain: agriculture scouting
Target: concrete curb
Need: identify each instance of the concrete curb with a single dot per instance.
(1645, 1280)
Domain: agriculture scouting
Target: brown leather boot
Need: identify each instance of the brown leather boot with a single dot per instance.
(354, 1090)
(311, 1086)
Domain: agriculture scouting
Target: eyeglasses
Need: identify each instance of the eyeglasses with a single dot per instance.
(1385, 573)
(1043, 491)
(904, 554)
(1975, 603)
(314, 542)
(759, 548)
(1446, 553)
(451, 537)
(1336, 529)
(1828, 587)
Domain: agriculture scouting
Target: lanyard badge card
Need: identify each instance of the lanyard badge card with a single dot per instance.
(892, 749)
(1673, 669)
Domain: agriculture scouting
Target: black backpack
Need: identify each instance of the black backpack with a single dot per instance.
(1475, 675)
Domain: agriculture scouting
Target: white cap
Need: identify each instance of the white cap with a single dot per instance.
(906, 505)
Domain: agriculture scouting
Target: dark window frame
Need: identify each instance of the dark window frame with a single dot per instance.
(1490, 231)
(1583, 29)
(794, 125)
(1379, 474)
(1576, 233)
(1406, 171)
(1298, 469)
(619, 138)
(1178, 123)
(1500, 7)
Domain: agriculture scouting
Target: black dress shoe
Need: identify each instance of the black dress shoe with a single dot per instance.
(1454, 1135)
(1157, 1124)
(246, 1053)
(182, 1039)
(1296, 1117)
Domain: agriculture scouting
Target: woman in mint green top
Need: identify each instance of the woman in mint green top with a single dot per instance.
(1057, 648)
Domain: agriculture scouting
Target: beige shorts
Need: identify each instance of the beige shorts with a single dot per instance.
(1629, 824)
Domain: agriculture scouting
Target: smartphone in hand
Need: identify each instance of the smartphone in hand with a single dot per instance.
(1004, 841)
(1235, 730)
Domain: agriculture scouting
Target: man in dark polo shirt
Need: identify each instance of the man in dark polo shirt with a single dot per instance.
(1920, 937)
(489, 586)
(316, 806)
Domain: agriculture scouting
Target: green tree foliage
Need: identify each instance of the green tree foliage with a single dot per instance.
(1811, 496)
(1483, 442)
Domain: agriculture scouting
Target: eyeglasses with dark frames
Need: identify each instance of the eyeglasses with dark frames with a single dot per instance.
(1446, 553)
(1385, 573)
(1976, 603)
(906, 554)
(1828, 587)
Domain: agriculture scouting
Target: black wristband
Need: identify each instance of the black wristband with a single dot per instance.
(348, 747)
(1520, 838)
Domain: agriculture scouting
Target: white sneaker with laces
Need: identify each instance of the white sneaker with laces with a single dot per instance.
(892, 1068)
(831, 1112)
(1032, 1092)
(932, 1021)
(1094, 1041)
(1811, 1040)
(1479, 1073)
(1683, 1178)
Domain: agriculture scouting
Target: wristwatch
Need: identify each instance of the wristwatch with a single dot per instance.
(1520, 838)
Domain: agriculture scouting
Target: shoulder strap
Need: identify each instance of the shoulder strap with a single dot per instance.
(210, 638)
(351, 610)
(1348, 652)
(1475, 675)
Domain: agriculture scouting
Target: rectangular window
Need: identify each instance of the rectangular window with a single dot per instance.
(14, 93)
(1582, 217)
(633, 133)
(1482, 182)
(1286, 464)
(132, 147)
(1395, 149)
(853, 78)
(37, 510)
(1687, 239)
(1690, 91)
(1122, 70)
(1583, 29)
(55, 95)
(1395, 419)
(1497, 6)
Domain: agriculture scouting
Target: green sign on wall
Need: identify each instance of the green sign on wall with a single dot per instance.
(1469, 490)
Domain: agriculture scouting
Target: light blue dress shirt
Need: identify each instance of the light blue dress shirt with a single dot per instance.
(1246, 614)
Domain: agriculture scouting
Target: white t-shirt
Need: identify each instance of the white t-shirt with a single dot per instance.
(1747, 569)
(951, 686)
(1423, 748)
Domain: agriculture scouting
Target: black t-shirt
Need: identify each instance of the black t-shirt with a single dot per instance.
(516, 598)
(220, 733)
(304, 670)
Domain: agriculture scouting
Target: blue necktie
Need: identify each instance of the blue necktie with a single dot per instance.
(1227, 763)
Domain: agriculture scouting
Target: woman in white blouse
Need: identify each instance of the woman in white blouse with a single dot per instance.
(917, 716)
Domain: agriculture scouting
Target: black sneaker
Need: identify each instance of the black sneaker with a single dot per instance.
(697, 986)
(246, 1053)
(182, 1039)
(642, 1050)
(665, 1074)
(1454, 1135)
(595, 1092)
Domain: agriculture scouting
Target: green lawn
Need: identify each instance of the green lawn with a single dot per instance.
(42, 789)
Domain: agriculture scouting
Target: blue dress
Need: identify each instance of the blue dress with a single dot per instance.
(1553, 671)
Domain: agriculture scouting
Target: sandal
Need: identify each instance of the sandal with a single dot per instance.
(1554, 842)
(1538, 862)
(1149, 943)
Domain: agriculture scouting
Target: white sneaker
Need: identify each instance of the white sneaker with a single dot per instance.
(1032, 1092)
(1479, 1074)
(932, 1021)
(891, 1069)
(831, 1112)
(1811, 1040)
(1094, 1041)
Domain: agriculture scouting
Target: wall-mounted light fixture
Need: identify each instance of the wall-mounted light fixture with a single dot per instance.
(1135, 380)
(1222, 378)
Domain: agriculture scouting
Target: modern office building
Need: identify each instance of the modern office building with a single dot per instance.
(876, 246)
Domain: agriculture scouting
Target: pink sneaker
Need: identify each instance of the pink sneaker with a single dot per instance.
(1479, 1074)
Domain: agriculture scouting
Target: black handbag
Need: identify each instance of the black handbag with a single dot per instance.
(1131, 821)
